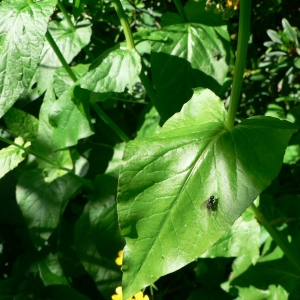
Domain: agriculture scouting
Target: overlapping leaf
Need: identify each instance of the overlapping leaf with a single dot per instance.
(22, 30)
(11, 156)
(69, 41)
(43, 203)
(166, 178)
(192, 55)
(113, 71)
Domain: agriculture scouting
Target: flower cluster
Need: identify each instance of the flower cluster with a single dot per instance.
(225, 7)
(119, 293)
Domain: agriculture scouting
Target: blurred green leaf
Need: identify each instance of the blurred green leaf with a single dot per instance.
(97, 237)
(22, 30)
(273, 35)
(167, 177)
(43, 203)
(290, 32)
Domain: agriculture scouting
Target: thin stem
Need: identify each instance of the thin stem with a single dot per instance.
(66, 15)
(243, 37)
(280, 240)
(149, 88)
(124, 22)
(180, 9)
(110, 123)
(60, 56)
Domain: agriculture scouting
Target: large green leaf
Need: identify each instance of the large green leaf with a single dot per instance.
(70, 42)
(194, 55)
(22, 30)
(113, 71)
(167, 177)
(43, 203)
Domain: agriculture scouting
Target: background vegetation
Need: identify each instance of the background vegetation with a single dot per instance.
(64, 130)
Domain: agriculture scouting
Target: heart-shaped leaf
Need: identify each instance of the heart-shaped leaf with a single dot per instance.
(167, 177)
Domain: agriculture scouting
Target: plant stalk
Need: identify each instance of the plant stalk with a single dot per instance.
(66, 15)
(243, 37)
(124, 22)
(110, 123)
(280, 240)
(60, 56)
(180, 9)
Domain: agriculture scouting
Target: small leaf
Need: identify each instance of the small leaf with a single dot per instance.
(166, 177)
(11, 156)
(22, 30)
(273, 35)
(290, 32)
(113, 71)
(43, 203)
(21, 124)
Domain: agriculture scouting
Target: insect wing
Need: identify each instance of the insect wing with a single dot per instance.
(203, 205)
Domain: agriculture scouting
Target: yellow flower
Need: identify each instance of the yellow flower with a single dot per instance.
(119, 259)
(137, 296)
(233, 3)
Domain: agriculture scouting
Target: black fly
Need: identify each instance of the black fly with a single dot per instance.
(210, 204)
(217, 55)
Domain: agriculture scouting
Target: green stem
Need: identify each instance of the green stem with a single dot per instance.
(124, 22)
(66, 15)
(280, 240)
(180, 10)
(60, 56)
(243, 37)
(149, 88)
(110, 123)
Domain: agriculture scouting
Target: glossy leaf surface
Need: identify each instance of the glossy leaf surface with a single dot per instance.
(165, 179)
(22, 30)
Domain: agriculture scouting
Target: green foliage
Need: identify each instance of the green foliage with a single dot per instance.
(118, 126)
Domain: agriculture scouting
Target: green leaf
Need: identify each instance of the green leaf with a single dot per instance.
(70, 44)
(113, 71)
(22, 30)
(45, 146)
(62, 80)
(11, 156)
(290, 32)
(199, 52)
(21, 124)
(241, 239)
(150, 125)
(43, 203)
(167, 177)
(50, 270)
(69, 124)
(97, 224)
(273, 35)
